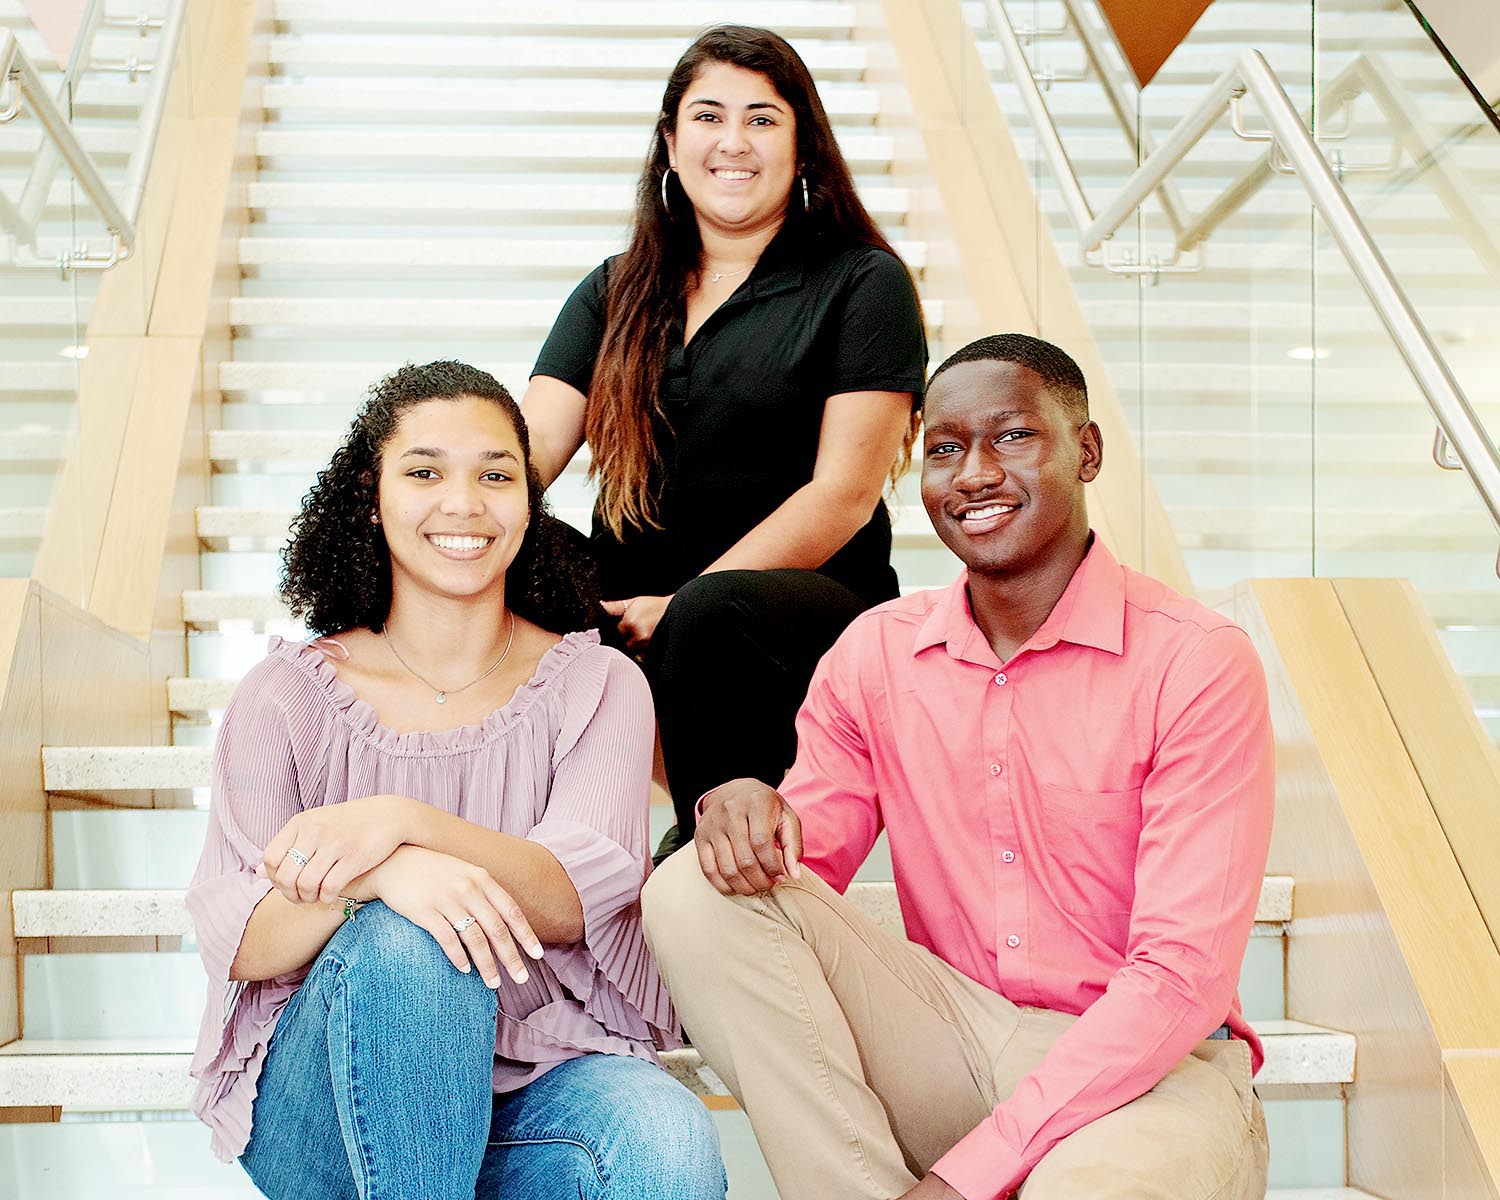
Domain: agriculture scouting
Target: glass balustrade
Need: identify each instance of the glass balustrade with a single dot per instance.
(1279, 425)
(53, 451)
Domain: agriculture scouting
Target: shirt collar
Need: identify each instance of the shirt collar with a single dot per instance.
(1090, 612)
(780, 268)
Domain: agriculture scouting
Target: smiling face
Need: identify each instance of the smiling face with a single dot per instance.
(452, 494)
(1003, 468)
(734, 149)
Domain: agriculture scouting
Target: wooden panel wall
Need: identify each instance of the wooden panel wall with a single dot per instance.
(1386, 940)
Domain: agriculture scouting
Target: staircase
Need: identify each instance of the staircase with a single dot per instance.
(432, 184)
(1281, 430)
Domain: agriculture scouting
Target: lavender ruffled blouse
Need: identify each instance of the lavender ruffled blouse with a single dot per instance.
(566, 763)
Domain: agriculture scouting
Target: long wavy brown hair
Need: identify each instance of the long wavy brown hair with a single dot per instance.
(648, 282)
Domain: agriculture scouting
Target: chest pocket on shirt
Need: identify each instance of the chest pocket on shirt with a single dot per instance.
(1089, 841)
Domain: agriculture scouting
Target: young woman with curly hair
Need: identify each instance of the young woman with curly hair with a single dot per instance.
(418, 898)
(745, 375)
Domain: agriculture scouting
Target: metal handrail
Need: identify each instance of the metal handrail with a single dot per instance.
(61, 144)
(1371, 77)
(1079, 210)
(1461, 441)
(1252, 75)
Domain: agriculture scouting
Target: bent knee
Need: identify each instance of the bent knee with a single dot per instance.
(676, 896)
(674, 1141)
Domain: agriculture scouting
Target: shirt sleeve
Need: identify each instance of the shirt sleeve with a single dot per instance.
(831, 786)
(881, 344)
(1206, 809)
(597, 826)
(573, 345)
(254, 793)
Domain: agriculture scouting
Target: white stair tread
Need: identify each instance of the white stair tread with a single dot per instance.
(476, 54)
(573, 254)
(349, 379)
(100, 913)
(162, 913)
(22, 524)
(585, 17)
(140, 1074)
(864, 151)
(358, 316)
(32, 448)
(125, 768)
(423, 201)
(20, 377)
(628, 101)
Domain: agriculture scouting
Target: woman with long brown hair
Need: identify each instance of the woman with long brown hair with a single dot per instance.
(745, 375)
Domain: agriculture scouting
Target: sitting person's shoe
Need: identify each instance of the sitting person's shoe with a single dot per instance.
(671, 842)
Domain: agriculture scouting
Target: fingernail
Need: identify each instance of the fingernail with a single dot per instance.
(464, 968)
(492, 984)
(535, 950)
(521, 976)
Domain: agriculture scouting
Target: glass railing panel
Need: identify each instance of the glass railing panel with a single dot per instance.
(1225, 344)
(1420, 164)
(1102, 158)
(46, 215)
(1384, 508)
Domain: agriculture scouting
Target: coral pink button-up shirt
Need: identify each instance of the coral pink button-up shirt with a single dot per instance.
(1082, 828)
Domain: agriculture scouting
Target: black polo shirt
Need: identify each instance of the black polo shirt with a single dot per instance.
(743, 403)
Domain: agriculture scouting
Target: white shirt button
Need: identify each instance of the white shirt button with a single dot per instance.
(994, 768)
(1013, 941)
(1000, 679)
(1008, 856)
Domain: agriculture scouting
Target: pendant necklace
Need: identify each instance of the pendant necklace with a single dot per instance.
(442, 694)
(715, 276)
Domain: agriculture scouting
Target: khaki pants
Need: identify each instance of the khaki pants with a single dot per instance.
(862, 1059)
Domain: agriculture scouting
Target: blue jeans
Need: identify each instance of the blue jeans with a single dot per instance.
(377, 1087)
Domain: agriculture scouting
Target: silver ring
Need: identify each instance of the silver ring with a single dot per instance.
(460, 926)
(297, 856)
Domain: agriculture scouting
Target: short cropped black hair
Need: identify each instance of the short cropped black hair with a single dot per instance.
(1055, 366)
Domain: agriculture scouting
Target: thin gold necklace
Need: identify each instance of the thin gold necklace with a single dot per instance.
(444, 693)
(715, 276)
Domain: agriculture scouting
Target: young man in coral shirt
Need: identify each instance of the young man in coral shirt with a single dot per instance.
(1074, 767)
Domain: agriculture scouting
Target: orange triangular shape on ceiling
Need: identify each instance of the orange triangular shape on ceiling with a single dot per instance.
(58, 22)
(1149, 30)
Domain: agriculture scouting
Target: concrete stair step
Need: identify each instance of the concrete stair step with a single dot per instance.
(32, 449)
(151, 1074)
(361, 318)
(31, 380)
(476, 56)
(101, 912)
(90, 769)
(404, 102)
(584, 19)
(298, 382)
(29, 316)
(22, 525)
(445, 257)
(351, 202)
(107, 147)
(489, 148)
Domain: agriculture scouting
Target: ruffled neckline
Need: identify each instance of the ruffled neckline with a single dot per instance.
(361, 717)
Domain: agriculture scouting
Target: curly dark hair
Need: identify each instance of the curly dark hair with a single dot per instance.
(336, 569)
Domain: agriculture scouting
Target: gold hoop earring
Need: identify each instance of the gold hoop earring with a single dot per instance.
(664, 203)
